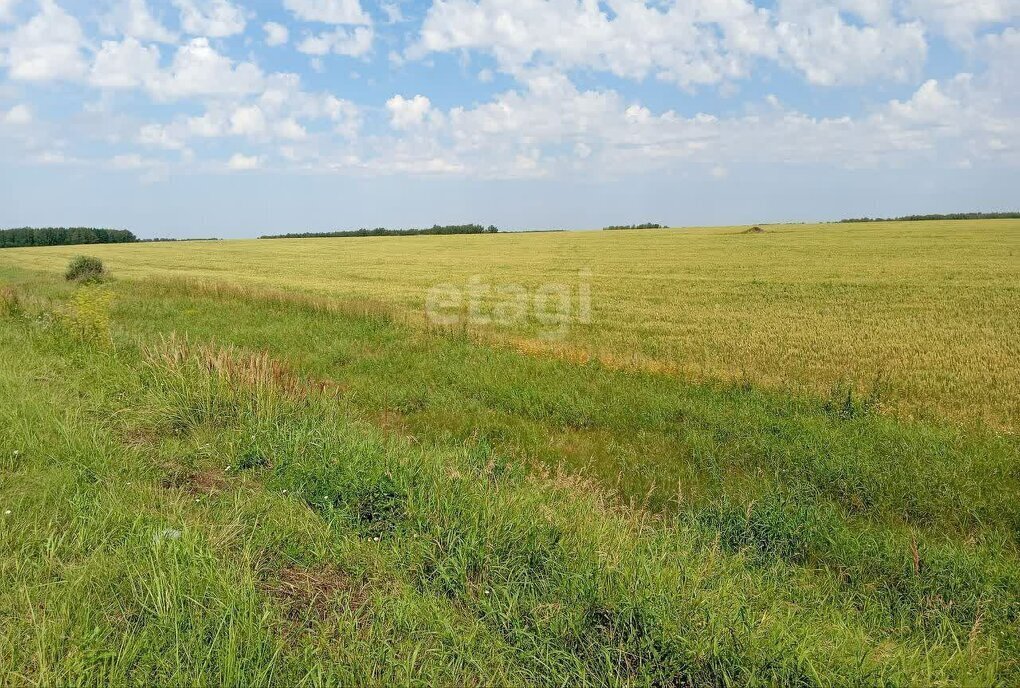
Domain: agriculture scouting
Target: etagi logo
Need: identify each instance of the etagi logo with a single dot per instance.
(554, 307)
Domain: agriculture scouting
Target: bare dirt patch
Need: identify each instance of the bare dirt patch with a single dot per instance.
(315, 593)
(206, 482)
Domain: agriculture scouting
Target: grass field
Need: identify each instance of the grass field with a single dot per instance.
(209, 476)
(924, 311)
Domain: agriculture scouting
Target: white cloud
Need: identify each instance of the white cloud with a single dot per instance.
(1001, 80)
(276, 34)
(408, 112)
(18, 115)
(7, 9)
(280, 111)
(132, 161)
(959, 19)
(552, 128)
(199, 70)
(248, 121)
(545, 125)
(354, 43)
(687, 42)
(394, 15)
(209, 125)
(133, 18)
(244, 162)
(290, 129)
(127, 64)
(283, 97)
(54, 157)
(47, 47)
(213, 18)
(160, 136)
(328, 11)
(829, 51)
(929, 104)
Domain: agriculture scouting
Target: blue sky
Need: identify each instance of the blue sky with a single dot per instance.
(235, 118)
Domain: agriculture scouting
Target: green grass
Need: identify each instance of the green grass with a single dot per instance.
(289, 491)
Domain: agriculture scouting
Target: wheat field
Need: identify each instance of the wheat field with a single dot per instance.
(922, 314)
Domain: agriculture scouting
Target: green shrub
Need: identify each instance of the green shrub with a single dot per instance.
(85, 269)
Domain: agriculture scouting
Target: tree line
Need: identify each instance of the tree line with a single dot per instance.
(646, 225)
(946, 216)
(164, 239)
(63, 236)
(383, 231)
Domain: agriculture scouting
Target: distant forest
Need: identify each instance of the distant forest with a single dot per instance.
(647, 225)
(63, 236)
(382, 231)
(948, 216)
(162, 239)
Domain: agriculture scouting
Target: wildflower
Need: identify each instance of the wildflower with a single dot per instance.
(7, 512)
(375, 539)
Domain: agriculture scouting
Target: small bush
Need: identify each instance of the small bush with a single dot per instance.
(85, 269)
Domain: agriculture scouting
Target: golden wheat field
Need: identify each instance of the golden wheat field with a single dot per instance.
(924, 313)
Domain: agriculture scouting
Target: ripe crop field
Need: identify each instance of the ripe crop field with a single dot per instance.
(667, 457)
(922, 313)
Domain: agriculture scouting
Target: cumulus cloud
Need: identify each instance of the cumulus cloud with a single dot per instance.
(242, 162)
(199, 70)
(546, 125)
(408, 112)
(134, 19)
(248, 121)
(959, 19)
(280, 110)
(688, 42)
(7, 9)
(125, 64)
(132, 161)
(328, 11)
(212, 18)
(1001, 79)
(550, 127)
(394, 14)
(829, 51)
(351, 42)
(161, 136)
(289, 128)
(276, 34)
(47, 47)
(283, 96)
(18, 115)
